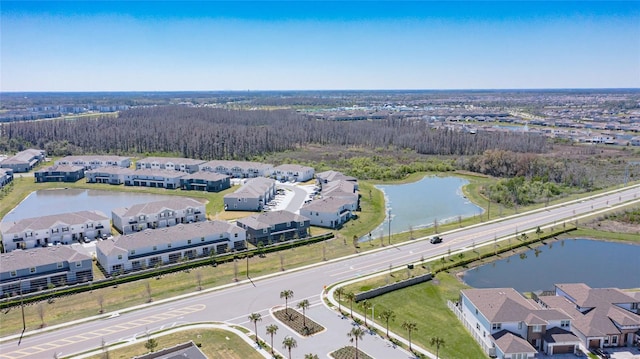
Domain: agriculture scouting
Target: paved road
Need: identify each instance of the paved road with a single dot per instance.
(233, 304)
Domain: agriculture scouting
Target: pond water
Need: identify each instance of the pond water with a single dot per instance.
(56, 201)
(599, 264)
(418, 204)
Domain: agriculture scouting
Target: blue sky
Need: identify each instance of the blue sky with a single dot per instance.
(308, 45)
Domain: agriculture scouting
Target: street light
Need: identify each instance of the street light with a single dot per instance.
(389, 216)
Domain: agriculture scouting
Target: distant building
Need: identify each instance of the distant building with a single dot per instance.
(205, 181)
(154, 178)
(23, 161)
(271, 227)
(187, 165)
(59, 173)
(158, 214)
(251, 196)
(330, 176)
(238, 169)
(58, 228)
(93, 162)
(293, 173)
(152, 248)
(36, 269)
(6, 176)
(110, 175)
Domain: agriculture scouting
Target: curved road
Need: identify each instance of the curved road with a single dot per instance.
(233, 303)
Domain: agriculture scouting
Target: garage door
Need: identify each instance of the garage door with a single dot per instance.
(560, 349)
(594, 343)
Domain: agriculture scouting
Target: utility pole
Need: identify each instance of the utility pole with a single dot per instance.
(389, 216)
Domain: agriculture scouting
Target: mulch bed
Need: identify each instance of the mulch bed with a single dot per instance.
(295, 321)
(349, 352)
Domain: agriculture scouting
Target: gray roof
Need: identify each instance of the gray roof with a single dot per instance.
(510, 343)
(330, 176)
(293, 168)
(253, 188)
(20, 259)
(587, 297)
(267, 219)
(150, 237)
(61, 168)
(174, 160)
(91, 158)
(157, 173)
(559, 335)
(46, 222)
(206, 176)
(329, 204)
(23, 156)
(174, 203)
(112, 170)
(339, 188)
(244, 165)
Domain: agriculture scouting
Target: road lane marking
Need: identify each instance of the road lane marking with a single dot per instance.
(36, 349)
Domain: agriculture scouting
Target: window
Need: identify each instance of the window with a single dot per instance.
(614, 340)
(78, 264)
(478, 326)
(155, 248)
(301, 224)
(606, 340)
(168, 245)
(288, 224)
(132, 252)
(476, 310)
(265, 231)
(14, 273)
(119, 256)
(634, 305)
(201, 239)
(520, 325)
(235, 235)
(60, 265)
(32, 270)
(496, 326)
(537, 328)
(564, 323)
(188, 241)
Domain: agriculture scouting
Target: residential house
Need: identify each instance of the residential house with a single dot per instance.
(293, 173)
(59, 173)
(328, 212)
(110, 175)
(23, 161)
(251, 196)
(6, 176)
(330, 176)
(62, 228)
(508, 325)
(154, 178)
(238, 169)
(205, 181)
(150, 248)
(274, 226)
(93, 162)
(187, 165)
(342, 189)
(158, 214)
(39, 268)
(601, 317)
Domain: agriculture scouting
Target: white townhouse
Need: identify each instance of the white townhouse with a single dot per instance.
(154, 178)
(188, 165)
(93, 162)
(328, 212)
(158, 214)
(341, 189)
(329, 176)
(238, 169)
(251, 196)
(58, 228)
(152, 248)
(293, 173)
(110, 175)
(23, 161)
(509, 326)
(36, 269)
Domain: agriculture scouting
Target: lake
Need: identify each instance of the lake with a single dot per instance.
(599, 264)
(418, 204)
(55, 201)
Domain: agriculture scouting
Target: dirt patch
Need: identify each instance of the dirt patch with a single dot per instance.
(296, 321)
(614, 226)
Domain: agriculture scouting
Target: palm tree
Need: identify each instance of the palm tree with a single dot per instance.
(304, 304)
(351, 297)
(288, 343)
(437, 342)
(339, 292)
(272, 329)
(286, 294)
(365, 305)
(409, 327)
(255, 318)
(356, 334)
(388, 315)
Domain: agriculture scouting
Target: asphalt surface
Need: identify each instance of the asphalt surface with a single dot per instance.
(233, 303)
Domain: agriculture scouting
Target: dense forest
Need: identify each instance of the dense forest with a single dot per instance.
(213, 133)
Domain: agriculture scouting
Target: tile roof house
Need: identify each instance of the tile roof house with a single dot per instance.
(58, 228)
(59, 173)
(158, 214)
(38, 268)
(508, 325)
(150, 248)
(274, 226)
(23, 161)
(601, 317)
(187, 165)
(251, 196)
(330, 212)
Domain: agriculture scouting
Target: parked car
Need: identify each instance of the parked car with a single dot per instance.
(601, 353)
(436, 239)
